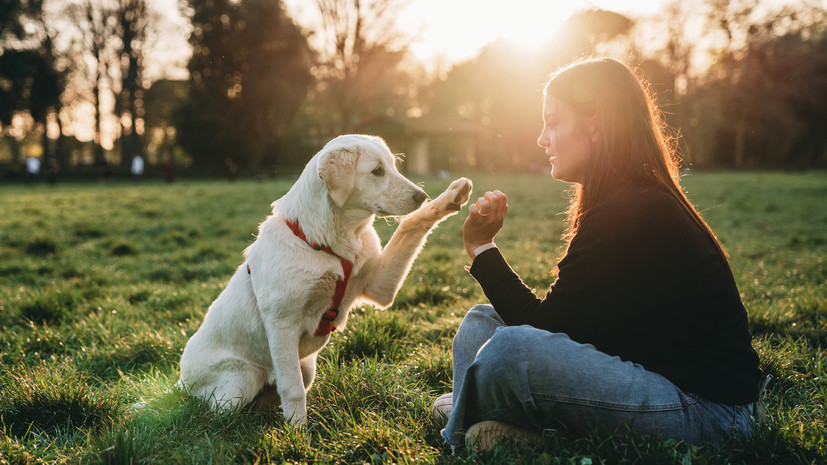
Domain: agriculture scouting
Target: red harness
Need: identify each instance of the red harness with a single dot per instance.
(326, 324)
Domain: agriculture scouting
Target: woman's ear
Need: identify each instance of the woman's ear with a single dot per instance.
(337, 169)
(593, 126)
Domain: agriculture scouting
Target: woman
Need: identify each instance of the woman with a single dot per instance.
(643, 331)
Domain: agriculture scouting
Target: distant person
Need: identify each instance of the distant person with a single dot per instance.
(169, 170)
(51, 171)
(137, 168)
(33, 168)
(106, 174)
(232, 169)
(643, 332)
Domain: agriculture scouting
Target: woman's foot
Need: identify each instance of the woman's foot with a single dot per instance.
(441, 410)
(484, 435)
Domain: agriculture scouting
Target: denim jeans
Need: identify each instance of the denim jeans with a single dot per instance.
(537, 379)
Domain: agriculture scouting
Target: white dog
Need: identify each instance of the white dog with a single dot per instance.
(315, 256)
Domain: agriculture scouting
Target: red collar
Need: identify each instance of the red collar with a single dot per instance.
(326, 324)
(297, 230)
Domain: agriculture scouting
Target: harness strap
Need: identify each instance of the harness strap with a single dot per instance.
(326, 323)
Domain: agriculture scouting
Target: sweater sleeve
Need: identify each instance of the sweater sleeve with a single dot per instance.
(502, 285)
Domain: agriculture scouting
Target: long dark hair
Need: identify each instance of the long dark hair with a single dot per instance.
(634, 151)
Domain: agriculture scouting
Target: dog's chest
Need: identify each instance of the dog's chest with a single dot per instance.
(320, 295)
(332, 290)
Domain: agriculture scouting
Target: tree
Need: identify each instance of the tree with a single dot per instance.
(133, 21)
(96, 22)
(29, 80)
(361, 55)
(10, 96)
(249, 73)
(161, 101)
(732, 18)
(27, 83)
(679, 48)
(586, 29)
(106, 44)
(9, 19)
(763, 101)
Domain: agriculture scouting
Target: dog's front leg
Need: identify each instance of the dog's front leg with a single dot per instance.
(388, 270)
(283, 338)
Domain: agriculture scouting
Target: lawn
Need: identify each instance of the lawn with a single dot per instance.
(101, 287)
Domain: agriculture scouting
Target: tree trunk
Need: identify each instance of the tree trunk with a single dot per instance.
(47, 154)
(738, 156)
(98, 126)
(60, 150)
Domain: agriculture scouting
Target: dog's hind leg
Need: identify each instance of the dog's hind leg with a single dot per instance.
(268, 399)
(235, 383)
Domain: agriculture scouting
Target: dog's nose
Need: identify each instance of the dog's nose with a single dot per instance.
(420, 197)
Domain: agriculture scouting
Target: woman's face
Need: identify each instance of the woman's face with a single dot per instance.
(567, 139)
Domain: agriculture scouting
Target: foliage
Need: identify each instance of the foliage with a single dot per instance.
(133, 23)
(249, 73)
(161, 101)
(32, 84)
(759, 103)
(780, 84)
(8, 17)
(360, 67)
(101, 287)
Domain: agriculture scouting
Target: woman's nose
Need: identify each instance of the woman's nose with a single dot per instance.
(541, 141)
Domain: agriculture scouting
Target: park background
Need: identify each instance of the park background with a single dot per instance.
(262, 84)
(102, 284)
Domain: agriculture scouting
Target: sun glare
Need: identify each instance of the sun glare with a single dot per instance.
(457, 29)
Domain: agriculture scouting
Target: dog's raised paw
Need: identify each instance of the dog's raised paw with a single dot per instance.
(462, 191)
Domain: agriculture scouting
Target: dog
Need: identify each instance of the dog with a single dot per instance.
(313, 259)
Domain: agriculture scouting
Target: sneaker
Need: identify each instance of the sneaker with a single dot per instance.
(484, 435)
(441, 409)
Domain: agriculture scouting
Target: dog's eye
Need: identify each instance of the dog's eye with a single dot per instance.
(378, 171)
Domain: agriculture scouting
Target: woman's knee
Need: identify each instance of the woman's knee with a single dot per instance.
(506, 350)
(481, 314)
(528, 338)
(477, 326)
(499, 375)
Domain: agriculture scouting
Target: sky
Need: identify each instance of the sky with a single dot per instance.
(454, 30)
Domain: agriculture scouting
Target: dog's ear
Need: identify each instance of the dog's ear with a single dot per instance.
(337, 169)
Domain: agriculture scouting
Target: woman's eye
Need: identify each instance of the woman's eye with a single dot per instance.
(378, 171)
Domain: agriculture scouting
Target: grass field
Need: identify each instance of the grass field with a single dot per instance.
(101, 286)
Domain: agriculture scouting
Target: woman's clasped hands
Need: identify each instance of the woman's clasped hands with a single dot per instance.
(485, 219)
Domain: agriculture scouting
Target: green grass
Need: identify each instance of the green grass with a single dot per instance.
(101, 286)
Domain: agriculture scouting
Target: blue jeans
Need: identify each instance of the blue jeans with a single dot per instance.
(537, 379)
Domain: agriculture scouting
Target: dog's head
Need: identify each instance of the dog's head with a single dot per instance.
(360, 172)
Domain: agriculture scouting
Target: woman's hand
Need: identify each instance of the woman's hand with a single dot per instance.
(485, 218)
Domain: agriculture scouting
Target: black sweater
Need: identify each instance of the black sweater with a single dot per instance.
(641, 280)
